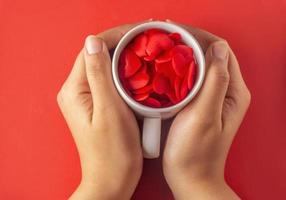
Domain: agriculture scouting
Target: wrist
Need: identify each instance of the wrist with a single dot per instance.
(111, 191)
(108, 184)
(206, 189)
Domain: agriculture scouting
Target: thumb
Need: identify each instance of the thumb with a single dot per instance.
(98, 68)
(216, 83)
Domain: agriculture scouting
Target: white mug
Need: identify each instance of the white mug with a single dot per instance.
(151, 135)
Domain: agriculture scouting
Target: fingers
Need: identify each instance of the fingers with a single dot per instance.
(91, 75)
(98, 64)
(204, 38)
(214, 90)
(97, 49)
(80, 81)
(237, 98)
(68, 97)
(237, 88)
(98, 70)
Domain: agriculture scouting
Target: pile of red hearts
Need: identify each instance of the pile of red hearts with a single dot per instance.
(157, 69)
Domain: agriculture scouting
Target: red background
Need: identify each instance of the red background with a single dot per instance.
(38, 43)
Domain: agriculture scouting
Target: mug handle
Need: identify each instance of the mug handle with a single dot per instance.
(151, 137)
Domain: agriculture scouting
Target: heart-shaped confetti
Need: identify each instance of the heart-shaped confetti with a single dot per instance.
(132, 63)
(161, 84)
(157, 69)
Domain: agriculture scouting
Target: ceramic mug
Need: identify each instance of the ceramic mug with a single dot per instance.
(151, 134)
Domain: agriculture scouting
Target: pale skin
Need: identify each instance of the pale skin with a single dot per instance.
(107, 135)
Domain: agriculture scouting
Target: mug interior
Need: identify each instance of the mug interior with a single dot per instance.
(187, 38)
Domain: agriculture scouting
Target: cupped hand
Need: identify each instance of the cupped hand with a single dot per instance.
(201, 134)
(103, 127)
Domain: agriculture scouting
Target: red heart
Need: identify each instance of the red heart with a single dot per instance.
(176, 37)
(158, 42)
(141, 97)
(164, 57)
(165, 68)
(161, 84)
(139, 80)
(179, 64)
(177, 85)
(150, 57)
(186, 51)
(131, 63)
(184, 88)
(139, 45)
(172, 96)
(191, 75)
(152, 102)
(144, 90)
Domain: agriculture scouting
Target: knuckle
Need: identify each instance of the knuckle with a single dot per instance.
(93, 62)
(221, 40)
(242, 98)
(222, 75)
(247, 96)
(59, 98)
(98, 66)
(95, 68)
(64, 94)
(97, 75)
(225, 42)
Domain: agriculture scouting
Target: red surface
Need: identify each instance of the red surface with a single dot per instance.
(38, 43)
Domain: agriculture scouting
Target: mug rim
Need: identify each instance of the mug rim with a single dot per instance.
(188, 39)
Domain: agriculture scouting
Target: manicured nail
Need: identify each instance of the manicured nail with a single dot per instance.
(168, 20)
(220, 50)
(151, 19)
(93, 45)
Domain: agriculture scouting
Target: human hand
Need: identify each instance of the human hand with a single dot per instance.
(201, 134)
(103, 127)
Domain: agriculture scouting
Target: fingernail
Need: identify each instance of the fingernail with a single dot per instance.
(93, 45)
(151, 19)
(168, 20)
(220, 50)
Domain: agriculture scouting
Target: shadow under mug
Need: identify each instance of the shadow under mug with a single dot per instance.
(151, 134)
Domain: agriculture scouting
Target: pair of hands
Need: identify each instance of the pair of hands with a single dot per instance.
(107, 135)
